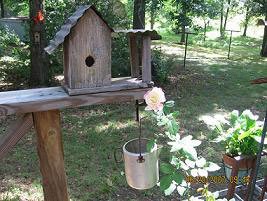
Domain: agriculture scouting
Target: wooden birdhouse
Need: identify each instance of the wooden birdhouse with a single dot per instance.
(86, 39)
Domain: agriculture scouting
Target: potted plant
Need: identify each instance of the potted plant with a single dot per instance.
(238, 135)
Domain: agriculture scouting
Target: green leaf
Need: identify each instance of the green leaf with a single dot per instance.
(165, 182)
(175, 114)
(150, 145)
(178, 177)
(170, 190)
(163, 121)
(166, 110)
(167, 168)
(248, 133)
(169, 104)
(244, 135)
(175, 161)
(250, 123)
(212, 167)
(233, 117)
(172, 127)
(181, 190)
(210, 198)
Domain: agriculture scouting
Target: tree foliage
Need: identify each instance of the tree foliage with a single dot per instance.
(181, 12)
(153, 7)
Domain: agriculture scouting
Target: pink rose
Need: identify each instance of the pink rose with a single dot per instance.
(155, 99)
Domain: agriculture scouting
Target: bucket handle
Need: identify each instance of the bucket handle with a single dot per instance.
(115, 154)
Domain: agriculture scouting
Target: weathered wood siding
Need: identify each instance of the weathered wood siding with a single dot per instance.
(91, 36)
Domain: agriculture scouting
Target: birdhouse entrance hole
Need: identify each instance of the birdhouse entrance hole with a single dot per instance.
(89, 61)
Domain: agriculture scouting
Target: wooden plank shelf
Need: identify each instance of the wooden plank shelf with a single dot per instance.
(117, 84)
(44, 99)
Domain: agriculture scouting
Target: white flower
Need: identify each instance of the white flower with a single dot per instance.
(155, 99)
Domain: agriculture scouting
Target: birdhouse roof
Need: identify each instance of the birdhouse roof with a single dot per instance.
(69, 24)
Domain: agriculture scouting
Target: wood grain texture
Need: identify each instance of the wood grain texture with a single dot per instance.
(90, 37)
(146, 59)
(134, 56)
(117, 85)
(15, 132)
(66, 62)
(35, 100)
(50, 152)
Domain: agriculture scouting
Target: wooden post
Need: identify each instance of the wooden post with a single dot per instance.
(134, 56)
(232, 184)
(50, 151)
(185, 49)
(146, 59)
(230, 43)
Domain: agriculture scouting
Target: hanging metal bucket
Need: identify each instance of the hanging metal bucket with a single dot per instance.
(141, 173)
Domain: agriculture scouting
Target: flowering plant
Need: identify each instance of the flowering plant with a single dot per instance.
(184, 160)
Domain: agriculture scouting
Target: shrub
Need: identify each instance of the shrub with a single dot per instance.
(14, 59)
(161, 66)
(120, 57)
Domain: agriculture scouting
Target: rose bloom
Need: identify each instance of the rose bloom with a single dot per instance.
(155, 99)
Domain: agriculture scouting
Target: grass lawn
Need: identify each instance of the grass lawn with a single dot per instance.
(211, 84)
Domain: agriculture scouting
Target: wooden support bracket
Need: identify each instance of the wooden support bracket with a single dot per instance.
(16, 131)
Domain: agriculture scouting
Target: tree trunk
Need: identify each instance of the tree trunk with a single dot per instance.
(139, 23)
(246, 22)
(184, 23)
(226, 14)
(205, 30)
(152, 19)
(39, 58)
(182, 40)
(139, 14)
(221, 22)
(2, 7)
(264, 43)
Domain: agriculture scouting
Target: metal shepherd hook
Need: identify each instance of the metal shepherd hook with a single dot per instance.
(252, 188)
(140, 157)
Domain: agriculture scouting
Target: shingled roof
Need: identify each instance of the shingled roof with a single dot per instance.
(66, 28)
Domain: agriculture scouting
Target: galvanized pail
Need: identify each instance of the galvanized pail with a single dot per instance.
(141, 174)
